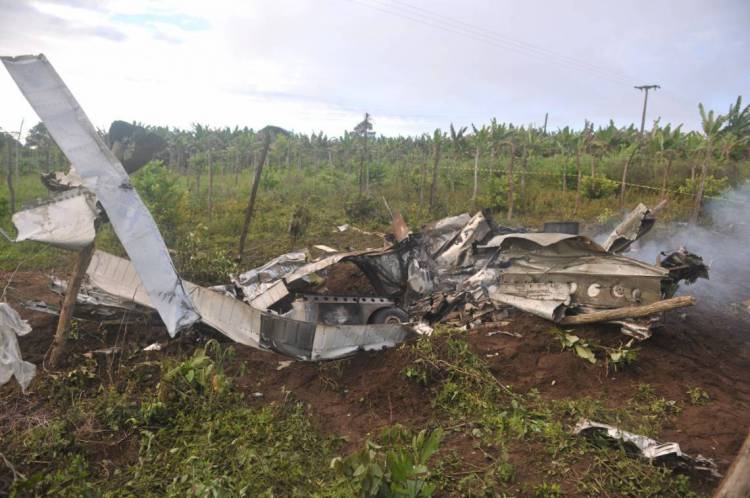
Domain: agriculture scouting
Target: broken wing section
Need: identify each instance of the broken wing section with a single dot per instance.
(103, 174)
(233, 318)
(248, 325)
(66, 221)
(11, 363)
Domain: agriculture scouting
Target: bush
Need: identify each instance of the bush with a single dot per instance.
(364, 208)
(494, 194)
(200, 265)
(598, 187)
(712, 187)
(165, 199)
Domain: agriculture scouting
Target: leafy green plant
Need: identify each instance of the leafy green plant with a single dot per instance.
(698, 396)
(622, 355)
(201, 265)
(547, 490)
(580, 346)
(165, 198)
(398, 472)
(712, 187)
(364, 209)
(199, 375)
(598, 187)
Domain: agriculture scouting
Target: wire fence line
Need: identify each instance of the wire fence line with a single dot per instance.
(559, 176)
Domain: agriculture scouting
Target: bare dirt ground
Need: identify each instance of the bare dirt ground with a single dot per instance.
(353, 398)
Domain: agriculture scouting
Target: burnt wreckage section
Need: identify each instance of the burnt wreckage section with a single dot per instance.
(460, 270)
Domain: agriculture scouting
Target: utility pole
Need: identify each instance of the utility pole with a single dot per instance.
(645, 88)
(546, 115)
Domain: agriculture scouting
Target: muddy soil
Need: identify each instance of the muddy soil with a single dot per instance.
(355, 397)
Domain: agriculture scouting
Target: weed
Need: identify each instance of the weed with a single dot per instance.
(698, 397)
(598, 187)
(581, 347)
(399, 471)
(547, 490)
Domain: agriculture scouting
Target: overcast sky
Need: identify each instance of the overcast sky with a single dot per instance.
(413, 64)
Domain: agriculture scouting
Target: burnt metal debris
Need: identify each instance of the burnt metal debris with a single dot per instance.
(462, 270)
(668, 454)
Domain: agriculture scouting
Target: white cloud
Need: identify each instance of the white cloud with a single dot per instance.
(319, 64)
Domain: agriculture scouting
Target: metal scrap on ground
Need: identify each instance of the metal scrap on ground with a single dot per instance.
(667, 453)
(461, 270)
(11, 363)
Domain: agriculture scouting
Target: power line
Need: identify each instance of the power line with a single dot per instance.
(507, 39)
(645, 89)
(539, 54)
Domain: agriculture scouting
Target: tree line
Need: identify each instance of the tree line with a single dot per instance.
(572, 158)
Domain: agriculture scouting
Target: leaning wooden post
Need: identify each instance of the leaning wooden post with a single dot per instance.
(737, 481)
(253, 193)
(66, 312)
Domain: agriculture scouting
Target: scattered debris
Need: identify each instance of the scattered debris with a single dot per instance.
(103, 175)
(283, 364)
(635, 225)
(153, 347)
(462, 270)
(103, 352)
(325, 248)
(667, 453)
(66, 221)
(246, 324)
(11, 363)
(423, 329)
(504, 332)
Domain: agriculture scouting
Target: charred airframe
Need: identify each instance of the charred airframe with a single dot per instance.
(458, 269)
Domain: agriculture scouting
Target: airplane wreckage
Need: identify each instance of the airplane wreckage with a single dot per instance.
(462, 270)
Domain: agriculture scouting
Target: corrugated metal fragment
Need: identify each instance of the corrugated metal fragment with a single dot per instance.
(103, 174)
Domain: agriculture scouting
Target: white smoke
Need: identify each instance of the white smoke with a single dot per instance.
(723, 240)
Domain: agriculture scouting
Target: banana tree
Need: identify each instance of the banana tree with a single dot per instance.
(459, 146)
(566, 143)
(480, 139)
(672, 142)
(510, 142)
(711, 125)
(438, 137)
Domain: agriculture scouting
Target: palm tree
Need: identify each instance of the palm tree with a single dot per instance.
(671, 148)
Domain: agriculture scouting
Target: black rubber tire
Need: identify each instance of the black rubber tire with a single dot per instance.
(389, 315)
